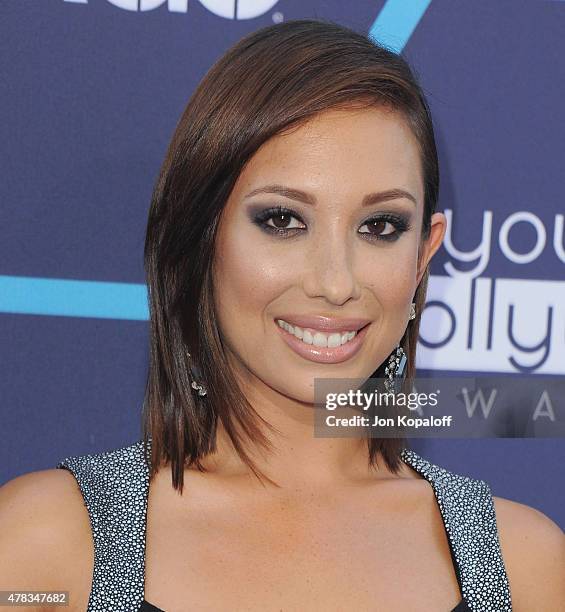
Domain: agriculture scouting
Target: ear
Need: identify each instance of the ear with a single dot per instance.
(432, 244)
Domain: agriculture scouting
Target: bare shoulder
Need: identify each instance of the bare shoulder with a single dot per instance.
(45, 536)
(533, 549)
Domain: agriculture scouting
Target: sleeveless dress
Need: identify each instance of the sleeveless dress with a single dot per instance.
(115, 485)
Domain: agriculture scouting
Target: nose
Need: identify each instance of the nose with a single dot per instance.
(329, 271)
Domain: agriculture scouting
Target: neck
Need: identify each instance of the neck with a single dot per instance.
(298, 459)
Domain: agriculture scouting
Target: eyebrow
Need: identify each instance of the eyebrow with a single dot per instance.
(302, 196)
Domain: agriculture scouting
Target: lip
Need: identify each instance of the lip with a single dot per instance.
(325, 324)
(320, 354)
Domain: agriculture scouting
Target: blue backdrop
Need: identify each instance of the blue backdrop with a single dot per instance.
(91, 93)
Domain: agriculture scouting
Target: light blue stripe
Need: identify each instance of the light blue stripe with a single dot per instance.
(73, 298)
(397, 21)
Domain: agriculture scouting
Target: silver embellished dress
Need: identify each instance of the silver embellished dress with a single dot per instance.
(114, 485)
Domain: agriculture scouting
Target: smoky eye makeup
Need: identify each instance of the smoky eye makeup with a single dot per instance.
(284, 222)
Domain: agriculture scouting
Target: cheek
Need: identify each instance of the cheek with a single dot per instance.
(391, 273)
(248, 277)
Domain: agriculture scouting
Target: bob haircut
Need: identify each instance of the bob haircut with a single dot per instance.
(271, 81)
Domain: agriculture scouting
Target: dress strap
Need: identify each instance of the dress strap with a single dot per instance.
(114, 486)
(467, 510)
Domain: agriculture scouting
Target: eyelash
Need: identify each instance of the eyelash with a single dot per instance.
(400, 223)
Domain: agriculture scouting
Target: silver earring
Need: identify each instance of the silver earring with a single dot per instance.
(413, 311)
(395, 369)
(197, 386)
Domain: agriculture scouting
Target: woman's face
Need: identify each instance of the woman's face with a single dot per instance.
(338, 250)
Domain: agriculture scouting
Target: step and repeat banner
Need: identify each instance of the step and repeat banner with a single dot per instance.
(91, 93)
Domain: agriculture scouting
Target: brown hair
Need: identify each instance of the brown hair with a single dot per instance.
(272, 80)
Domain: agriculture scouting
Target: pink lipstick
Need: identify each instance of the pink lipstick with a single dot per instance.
(321, 354)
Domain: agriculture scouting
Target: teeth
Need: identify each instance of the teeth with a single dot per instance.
(317, 338)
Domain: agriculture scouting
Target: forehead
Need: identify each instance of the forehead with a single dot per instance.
(345, 150)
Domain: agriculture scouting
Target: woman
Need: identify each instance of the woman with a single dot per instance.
(289, 238)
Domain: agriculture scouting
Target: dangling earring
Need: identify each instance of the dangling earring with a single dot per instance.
(413, 311)
(395, 370)
(195, 373)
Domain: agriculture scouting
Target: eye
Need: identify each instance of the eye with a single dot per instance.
(278, 220)
(385, 227)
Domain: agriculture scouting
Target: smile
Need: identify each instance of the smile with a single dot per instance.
(316, 337)
(322, 347)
